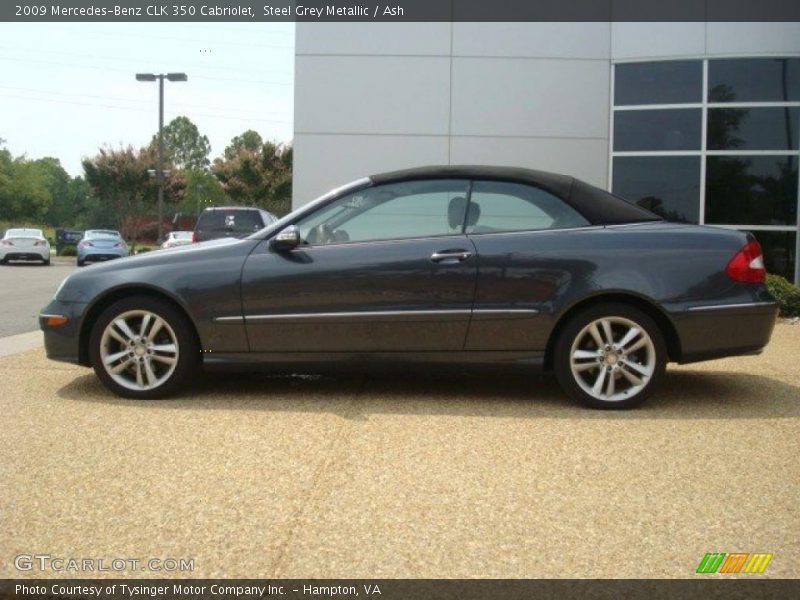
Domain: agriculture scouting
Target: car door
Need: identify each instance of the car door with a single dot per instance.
(386, 268)
(532, 248)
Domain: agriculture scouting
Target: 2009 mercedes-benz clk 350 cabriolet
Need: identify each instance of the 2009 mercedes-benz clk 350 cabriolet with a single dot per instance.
(465, 266)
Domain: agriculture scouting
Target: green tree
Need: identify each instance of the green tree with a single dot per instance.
(261, 177)
(120, 180)
(184, 147)
(249, 140)
(203, 189)
(25, 193)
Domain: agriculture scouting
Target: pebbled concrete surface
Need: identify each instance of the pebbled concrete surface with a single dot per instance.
(405, 476)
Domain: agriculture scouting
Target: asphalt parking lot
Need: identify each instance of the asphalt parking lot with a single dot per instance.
(26, 288)
(405, 476)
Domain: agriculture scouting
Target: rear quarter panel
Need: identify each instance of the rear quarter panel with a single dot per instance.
(672, 266)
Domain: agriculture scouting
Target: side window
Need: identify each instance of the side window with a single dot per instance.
(498, 206)
(394, 211)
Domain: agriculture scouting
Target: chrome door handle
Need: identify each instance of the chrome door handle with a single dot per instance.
(451, 255)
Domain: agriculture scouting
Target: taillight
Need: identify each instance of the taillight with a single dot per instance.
(119, 245)
(747, 265)
(194, 237)
(6, 243)
(85, 244)
(40, 243)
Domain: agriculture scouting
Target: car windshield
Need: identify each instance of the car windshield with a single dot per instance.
(309, 208)
(99, 234)
(24, 233)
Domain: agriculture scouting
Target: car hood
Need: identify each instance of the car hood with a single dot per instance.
(147, 267)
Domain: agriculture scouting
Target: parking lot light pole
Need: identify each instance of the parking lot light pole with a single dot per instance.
(160, 171)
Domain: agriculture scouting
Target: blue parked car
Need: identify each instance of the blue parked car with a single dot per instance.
(101, 245)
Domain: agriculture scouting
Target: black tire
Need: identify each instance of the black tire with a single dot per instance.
(188, 350)
(80, 262)
(46, 262)
(574, 328)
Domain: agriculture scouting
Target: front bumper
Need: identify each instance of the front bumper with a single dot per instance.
(717, 331)
(62, 343)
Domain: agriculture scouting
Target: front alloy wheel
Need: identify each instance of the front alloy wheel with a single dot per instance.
(139, 350)
(609, 356)
(142, 348)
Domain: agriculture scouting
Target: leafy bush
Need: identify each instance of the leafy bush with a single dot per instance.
(143, 249)
(787, 295)
(68, 251)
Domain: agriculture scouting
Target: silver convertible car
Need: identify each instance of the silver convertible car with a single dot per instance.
(465, 267)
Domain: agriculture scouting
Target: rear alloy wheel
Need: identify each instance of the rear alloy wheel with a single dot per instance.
(610, 356)
(142, 348)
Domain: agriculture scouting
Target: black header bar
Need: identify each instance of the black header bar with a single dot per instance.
(397, 10)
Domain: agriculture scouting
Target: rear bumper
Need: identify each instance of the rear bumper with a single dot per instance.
(717, 331)
(62, 343)
(27, 254)
(100, 256)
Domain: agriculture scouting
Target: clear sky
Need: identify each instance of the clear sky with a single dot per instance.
(68, 89)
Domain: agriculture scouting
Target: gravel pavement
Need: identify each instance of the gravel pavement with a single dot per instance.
(405, 476)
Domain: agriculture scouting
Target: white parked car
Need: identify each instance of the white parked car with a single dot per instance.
(24, 244)
(177, 238)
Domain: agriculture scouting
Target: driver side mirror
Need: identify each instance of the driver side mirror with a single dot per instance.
(286, 239)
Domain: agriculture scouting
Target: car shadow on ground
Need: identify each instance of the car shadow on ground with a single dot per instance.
(683, 394)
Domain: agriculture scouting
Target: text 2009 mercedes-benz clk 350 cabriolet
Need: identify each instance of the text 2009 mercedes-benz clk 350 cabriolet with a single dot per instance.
(436, 266)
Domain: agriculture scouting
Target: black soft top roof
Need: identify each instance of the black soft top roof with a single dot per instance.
(596, 205)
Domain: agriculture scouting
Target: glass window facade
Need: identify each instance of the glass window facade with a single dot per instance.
(714, 142)
(666, 185)
(671, 82)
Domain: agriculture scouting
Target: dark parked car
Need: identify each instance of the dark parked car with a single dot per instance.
(433, 267)
(230, 221)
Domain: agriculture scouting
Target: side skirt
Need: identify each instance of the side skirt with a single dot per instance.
(320, 362)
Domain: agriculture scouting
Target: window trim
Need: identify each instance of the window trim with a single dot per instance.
(704, 152)
(399, 239)
(589, 224)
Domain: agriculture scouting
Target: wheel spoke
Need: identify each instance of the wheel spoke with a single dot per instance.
(112, 358)
(632, 333)
(606, 324)
(115, 334)
(595, 333)
(638, 344)
(157, 325)
(139, 379)
(586, 366)
(143, 327)
(122, 366)
(639, 369)
(149, 374)
(584, 355)
(123, 327)
(630, 376)
(171, 348)
(611, 385)
(167, 360)
(598, 383)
